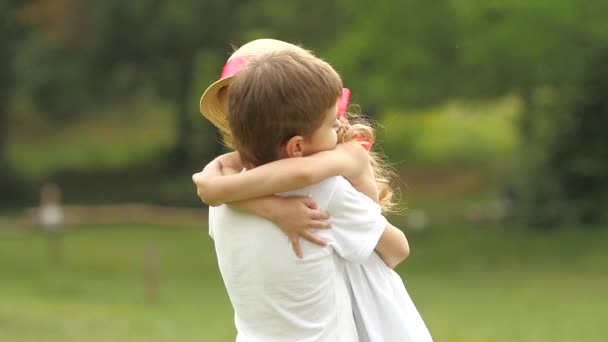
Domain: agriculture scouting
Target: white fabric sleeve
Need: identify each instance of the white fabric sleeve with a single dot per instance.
(211, 220)
(357, 222)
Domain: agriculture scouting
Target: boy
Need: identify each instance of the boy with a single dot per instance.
(282, 104)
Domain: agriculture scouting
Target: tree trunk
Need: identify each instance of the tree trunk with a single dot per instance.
(526, 119)
(6, 83)
(13, 192)
(180, 156)
(3, 128)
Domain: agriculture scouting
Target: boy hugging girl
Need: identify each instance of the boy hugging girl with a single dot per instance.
(283, 109)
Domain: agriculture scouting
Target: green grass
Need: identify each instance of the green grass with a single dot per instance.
(469, 285)
(97, 293)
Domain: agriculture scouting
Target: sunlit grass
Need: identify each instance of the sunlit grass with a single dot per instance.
(97, 293)
(469, 285)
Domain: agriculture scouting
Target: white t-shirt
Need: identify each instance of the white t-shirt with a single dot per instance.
(275, 295)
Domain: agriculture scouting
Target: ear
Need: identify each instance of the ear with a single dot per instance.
(295, 147)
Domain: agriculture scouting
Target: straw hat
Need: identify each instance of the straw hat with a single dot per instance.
(211, 105)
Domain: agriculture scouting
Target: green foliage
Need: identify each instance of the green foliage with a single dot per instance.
(400, 53)
(109, 141)
(467, 133)
(67, 59)
(11, 32)
(566, 176)
(315, 26)
(108, 52)
(56, 80)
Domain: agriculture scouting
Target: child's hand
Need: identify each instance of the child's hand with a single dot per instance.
(356, 155)
(230, 163)
(361, 173)
(206, 180)
(296, 216)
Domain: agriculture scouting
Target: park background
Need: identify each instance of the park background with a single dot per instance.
(493, 113)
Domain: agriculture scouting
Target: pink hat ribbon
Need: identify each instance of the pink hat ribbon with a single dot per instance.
(235, 65)
(343, 107)
(343, 102)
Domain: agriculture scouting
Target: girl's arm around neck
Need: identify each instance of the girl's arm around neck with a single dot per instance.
(215, 187)
(206, 180)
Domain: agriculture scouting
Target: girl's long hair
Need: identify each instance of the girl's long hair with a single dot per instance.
(354, 126)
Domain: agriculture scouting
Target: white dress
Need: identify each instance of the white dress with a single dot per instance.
(382, 308)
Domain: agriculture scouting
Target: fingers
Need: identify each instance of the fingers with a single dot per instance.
(309, 202)
(319, 224)
(297, 248)
(310, 236)
(314, 213)
(318, 215)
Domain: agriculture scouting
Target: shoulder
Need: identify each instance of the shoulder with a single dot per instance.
(221, 214)
(333, 183)
(334, 188)
(330, 182)
(327, 192)
(324, 188)
(343, 190)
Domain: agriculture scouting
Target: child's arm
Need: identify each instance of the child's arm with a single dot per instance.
(348, 160)
(393, 246)
(294, 215)
(207, 180)
(221, 182)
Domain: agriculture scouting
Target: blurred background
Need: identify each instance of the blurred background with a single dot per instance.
(494, 114)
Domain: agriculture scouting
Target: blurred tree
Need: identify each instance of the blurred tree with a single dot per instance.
(83, 54)
(89, 53)
(411, 53)
(161, 41)
(567, 182)
(11, 31)
(580, 151)
(521, 47)
(561, 169)
(315, 26)
(398, 53)
(52, 66)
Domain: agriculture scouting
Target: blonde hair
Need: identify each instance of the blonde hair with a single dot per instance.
(353, 126)
(276, 96)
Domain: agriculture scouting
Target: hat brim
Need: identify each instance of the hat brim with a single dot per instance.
(212, 108)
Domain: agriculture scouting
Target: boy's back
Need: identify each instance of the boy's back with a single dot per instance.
(278, 297)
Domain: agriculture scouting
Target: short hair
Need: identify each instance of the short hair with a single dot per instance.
(276, 96)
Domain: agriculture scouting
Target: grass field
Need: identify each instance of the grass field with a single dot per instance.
(469, 286)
